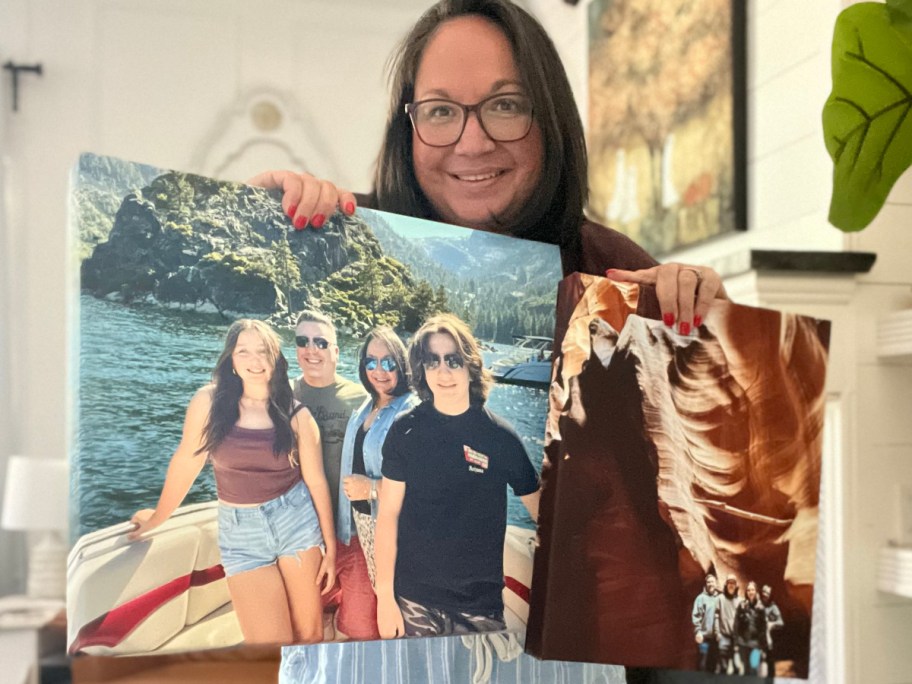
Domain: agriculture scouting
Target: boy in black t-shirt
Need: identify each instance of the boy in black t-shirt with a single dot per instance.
(443, 501)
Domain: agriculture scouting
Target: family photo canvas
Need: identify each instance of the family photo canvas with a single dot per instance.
(251, 397)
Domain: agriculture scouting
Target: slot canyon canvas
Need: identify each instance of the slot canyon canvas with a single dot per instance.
(671, 460)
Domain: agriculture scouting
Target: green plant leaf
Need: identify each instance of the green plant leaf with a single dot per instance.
(867, 119)
(901, 9)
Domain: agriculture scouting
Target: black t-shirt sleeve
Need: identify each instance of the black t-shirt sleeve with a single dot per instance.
(521, 475)
(394, 453)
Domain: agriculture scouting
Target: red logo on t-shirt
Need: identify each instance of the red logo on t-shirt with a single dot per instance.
(477, 460)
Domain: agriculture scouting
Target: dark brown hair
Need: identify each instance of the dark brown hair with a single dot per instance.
(459, 331)
(390, 339)
(554, 211)
(225, 410)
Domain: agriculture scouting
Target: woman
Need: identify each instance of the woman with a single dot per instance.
(750, 630)
(530, 184)
(533, 186)
(443, 511)
(275, 521)
(382, 369)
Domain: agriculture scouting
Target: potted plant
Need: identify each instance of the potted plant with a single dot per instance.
(867, 119)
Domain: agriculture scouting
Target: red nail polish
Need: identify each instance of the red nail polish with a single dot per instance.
(349, 207)
(318, 220)
(291, 211)
(684, 328)
(698, 321)
(300, 222)
(668, 319)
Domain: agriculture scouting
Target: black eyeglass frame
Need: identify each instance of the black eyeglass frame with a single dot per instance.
(411, 107)
(304, 341)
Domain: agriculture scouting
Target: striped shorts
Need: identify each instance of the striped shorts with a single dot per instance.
(423, 620)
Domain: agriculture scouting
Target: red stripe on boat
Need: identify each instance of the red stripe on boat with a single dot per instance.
(112, 627)
(517, 587)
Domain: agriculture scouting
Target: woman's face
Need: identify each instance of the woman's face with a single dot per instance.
(251, 358)
(476, 179)
(383, 382)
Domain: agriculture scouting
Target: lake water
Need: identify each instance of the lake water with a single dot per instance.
(138, 368)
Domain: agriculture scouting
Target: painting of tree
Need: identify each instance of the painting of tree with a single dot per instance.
(664, 113)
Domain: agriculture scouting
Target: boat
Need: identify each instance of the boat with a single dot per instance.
(167, 592)
(529, 364)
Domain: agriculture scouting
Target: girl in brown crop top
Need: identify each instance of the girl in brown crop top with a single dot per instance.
(265, 450)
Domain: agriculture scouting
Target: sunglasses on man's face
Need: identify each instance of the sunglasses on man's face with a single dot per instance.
(453, 362)
(304, 341)
(387, 363)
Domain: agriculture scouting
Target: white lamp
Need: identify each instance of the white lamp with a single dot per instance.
(35, 499)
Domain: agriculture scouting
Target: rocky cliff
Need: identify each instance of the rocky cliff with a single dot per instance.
(189, 241)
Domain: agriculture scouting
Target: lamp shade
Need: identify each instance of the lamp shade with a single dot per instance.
(37, 494)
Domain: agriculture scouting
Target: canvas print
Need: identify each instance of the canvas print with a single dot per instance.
(293, 436)
(667, 137)
(682, 476)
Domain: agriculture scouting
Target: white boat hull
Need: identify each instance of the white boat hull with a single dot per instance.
(161, 594)
(166, 593)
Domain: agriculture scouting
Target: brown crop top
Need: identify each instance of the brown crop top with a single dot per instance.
(246, 470)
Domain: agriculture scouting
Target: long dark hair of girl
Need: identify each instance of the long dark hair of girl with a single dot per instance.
(226, 396)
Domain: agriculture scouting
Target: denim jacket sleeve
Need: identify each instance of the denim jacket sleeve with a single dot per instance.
(343, 514)
(373, 454)
(373, 441)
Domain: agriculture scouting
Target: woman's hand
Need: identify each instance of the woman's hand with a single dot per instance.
(327, 572)
(389, 619)
(357, 487)
(143, 522)
(685, 292)
(305, 199)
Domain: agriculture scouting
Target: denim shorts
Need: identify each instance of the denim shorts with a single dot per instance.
(257, 536)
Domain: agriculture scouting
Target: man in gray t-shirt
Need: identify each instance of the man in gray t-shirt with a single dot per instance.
(331, 399)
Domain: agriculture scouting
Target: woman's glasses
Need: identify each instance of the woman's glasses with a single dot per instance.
(387, 363)
(504, 117)
(453, 362)
(304, 341)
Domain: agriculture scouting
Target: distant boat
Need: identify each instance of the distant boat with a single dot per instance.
(167, 593)
(528, 364)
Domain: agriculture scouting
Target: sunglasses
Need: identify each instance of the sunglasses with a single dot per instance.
(387, 363)
(304, 341)
(453, 362)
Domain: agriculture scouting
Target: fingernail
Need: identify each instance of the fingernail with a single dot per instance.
(684, 327)
(300, 222)
(610, 271)
(291, 210)
(349, 207)
(668, 319)
(698, 321)
(318, 220)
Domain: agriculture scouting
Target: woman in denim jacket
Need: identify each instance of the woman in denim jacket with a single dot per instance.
(384, 373)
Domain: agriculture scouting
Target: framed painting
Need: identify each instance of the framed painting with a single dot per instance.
(667, 119)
